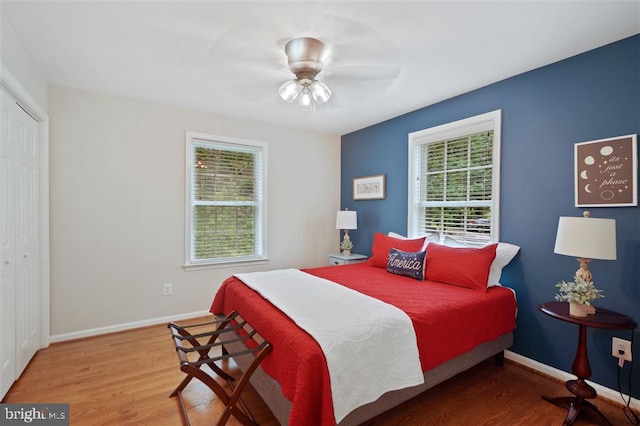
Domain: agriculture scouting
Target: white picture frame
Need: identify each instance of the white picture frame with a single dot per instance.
(370, 187)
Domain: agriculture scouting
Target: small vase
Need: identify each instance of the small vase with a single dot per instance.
(346, 252)
(578, 309)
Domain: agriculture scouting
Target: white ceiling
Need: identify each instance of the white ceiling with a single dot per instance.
(387, 58)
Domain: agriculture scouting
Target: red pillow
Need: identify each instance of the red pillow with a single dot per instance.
(382, 244)
(464, 267)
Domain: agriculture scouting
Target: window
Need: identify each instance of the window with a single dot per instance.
(454, 175)
(226, 200)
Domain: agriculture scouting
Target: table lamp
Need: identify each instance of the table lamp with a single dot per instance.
(346, 220)
(586, 238)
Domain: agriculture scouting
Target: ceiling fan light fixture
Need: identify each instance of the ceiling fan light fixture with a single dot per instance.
(321, 93)
(306, 58)
(289, 90)
(306, 99)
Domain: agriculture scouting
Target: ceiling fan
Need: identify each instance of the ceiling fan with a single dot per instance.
(306, 58)
(310, 59)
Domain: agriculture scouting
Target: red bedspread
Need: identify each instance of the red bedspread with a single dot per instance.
(448, 321)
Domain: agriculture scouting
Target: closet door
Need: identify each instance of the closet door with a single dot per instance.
(27, 241)
(19, 242)
(7, 248)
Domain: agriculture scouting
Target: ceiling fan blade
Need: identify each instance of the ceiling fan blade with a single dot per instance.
(250, 48)
(361, 73)
(339, 29)
(263, 84)
(352, 40)
(243, 53)
(354, 92)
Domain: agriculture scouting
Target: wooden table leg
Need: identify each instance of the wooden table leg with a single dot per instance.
(580, 388)
(577, 406)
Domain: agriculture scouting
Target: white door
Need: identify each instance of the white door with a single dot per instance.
(7, 248)
(19, 242)
(27, 242)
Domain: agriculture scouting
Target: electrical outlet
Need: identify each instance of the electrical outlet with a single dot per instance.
(167, 289)
(618, 345)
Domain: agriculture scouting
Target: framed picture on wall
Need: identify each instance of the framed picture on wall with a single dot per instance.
(606, 172)
(370, 187)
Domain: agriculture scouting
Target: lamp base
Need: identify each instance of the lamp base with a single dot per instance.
(583, 272)
(346, 244)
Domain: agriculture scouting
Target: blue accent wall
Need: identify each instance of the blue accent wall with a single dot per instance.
(591, 96)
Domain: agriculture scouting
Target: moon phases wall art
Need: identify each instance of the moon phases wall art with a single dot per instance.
(606, 172)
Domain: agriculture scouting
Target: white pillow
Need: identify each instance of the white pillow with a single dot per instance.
(448, 241)
(505, 252)
(394, 235)
(429, 238)
(452, 242)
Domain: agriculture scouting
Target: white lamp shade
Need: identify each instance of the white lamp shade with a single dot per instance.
(587, 237)
(347, 219)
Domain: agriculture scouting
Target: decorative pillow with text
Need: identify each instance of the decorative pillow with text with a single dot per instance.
(410, 264)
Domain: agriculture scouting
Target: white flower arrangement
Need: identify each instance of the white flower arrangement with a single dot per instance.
(346, 245)
(577, 291)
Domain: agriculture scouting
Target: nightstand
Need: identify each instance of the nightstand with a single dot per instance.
(339, 259)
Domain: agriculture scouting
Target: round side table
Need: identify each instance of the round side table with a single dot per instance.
(603, 318)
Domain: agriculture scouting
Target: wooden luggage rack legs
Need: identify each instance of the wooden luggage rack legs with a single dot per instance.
(232, 323)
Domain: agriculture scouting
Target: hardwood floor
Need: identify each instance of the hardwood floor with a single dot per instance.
(125, 378)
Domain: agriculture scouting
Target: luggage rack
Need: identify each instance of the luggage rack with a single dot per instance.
(232, 323)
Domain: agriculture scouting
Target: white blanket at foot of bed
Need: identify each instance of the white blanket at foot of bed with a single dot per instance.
(370, 346)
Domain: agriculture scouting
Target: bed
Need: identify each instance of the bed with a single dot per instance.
(456, 326)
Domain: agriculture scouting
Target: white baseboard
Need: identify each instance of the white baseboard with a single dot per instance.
(126, 326)
(607, 393)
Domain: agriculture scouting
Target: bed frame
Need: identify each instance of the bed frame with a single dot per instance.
(269, 389)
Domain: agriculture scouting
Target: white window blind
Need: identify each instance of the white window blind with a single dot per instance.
(453, 180)
(226, 200)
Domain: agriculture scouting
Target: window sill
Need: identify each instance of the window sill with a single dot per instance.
(225, 264)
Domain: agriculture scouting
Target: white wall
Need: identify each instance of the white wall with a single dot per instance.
(117, 207)
(18, 62)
